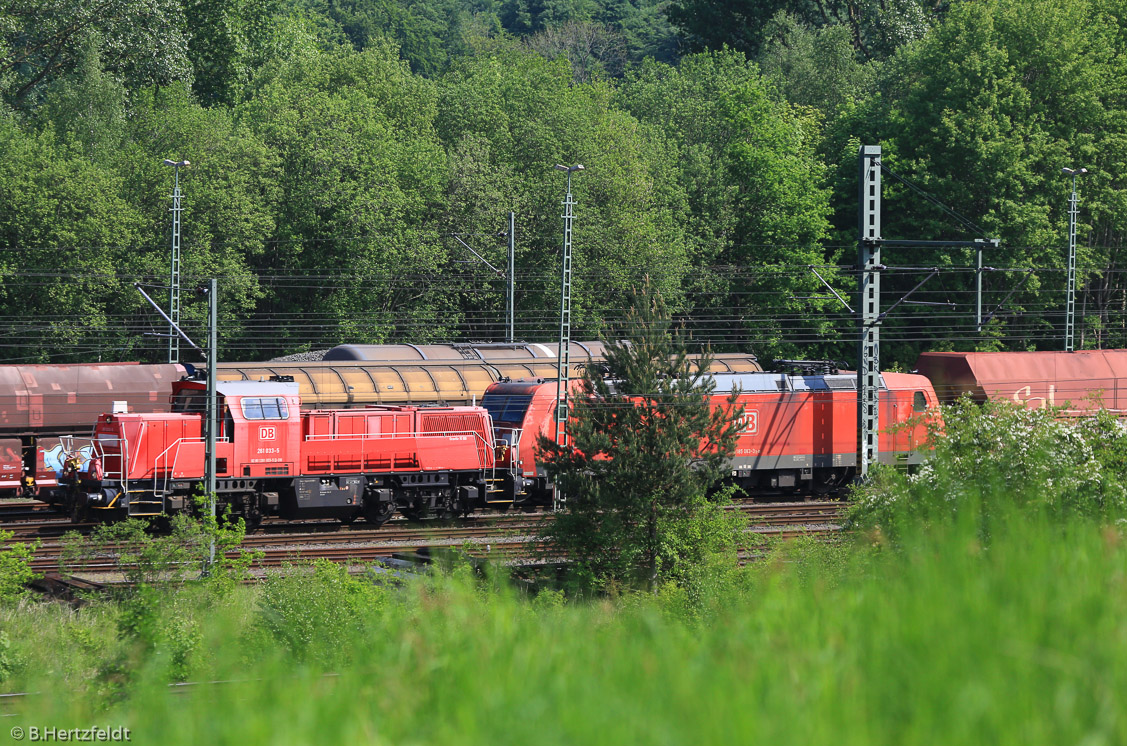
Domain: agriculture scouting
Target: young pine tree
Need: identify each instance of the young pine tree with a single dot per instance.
(644, 448)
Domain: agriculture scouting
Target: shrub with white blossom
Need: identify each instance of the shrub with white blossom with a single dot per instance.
(1000, 456)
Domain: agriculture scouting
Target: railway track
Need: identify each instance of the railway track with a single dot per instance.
(509, 537)
(39, 522)
(19, 511)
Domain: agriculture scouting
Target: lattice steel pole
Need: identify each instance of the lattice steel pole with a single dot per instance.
(563, 355)
(174, 268)
(869, 264)
(1070, 300)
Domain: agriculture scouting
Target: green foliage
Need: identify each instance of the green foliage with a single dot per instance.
(876, 27)
(337, 143)
(230, 39)
(141, 557)
(15, 567)
(8, 662)
(146, 558)
(143, 42)
(997, 460)
(507, 116)
(982, 113)
(644, 448)
(815, 67)
(361, 172)
(314, 612)
(753, 189)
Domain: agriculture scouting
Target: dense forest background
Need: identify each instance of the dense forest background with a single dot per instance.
(340, 148)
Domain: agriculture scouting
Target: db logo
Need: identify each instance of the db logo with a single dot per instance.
(749, 423)
(268, 433)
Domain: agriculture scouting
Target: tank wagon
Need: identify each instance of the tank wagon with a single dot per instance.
(1080, 382)
(273, 458)
(798, 433)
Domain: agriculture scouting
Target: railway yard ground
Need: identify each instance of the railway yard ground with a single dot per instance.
(507, 538)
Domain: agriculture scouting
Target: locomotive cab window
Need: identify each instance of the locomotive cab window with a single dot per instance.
(509, 409)
(919, 403)
(190, 401)
(265, 408)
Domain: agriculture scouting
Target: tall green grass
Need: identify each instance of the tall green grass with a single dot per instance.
(981, 601)
(942, 639)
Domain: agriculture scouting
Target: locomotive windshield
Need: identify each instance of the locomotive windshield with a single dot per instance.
(507, 409)
(265, 408)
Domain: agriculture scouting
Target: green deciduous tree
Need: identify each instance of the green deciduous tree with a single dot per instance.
(229, 39)
(982, 114)
(876, 27)
(362, 175)
(754, 194)
(645, 447)
(144, 42)
(507, 116)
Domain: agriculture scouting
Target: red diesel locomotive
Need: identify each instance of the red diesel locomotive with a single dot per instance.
(274, 458)
(798, 433)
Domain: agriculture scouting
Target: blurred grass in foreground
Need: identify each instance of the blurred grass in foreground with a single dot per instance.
(941, 640)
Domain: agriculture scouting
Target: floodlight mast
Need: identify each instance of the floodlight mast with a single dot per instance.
(174, 264)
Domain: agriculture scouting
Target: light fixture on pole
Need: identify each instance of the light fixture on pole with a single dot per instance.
(174, 265)
(1070, 302)
(563, 354)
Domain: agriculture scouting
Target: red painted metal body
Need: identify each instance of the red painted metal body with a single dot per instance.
(796, 430)
(522, 411)
(806, 424)
(380, 440)
(11, 464)
(1077, 381)
(320, 463)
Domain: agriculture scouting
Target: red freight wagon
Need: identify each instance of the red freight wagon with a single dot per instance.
(1078, 381)
(273, 458)
(797, 432)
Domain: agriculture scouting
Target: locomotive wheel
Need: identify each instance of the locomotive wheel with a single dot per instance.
(252, 514)
(829, 480)
(378, 514)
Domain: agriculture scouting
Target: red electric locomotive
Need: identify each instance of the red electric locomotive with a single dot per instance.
(273, 458)
(798, 433)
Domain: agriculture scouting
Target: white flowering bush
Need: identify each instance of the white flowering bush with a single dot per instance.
(997, 457)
